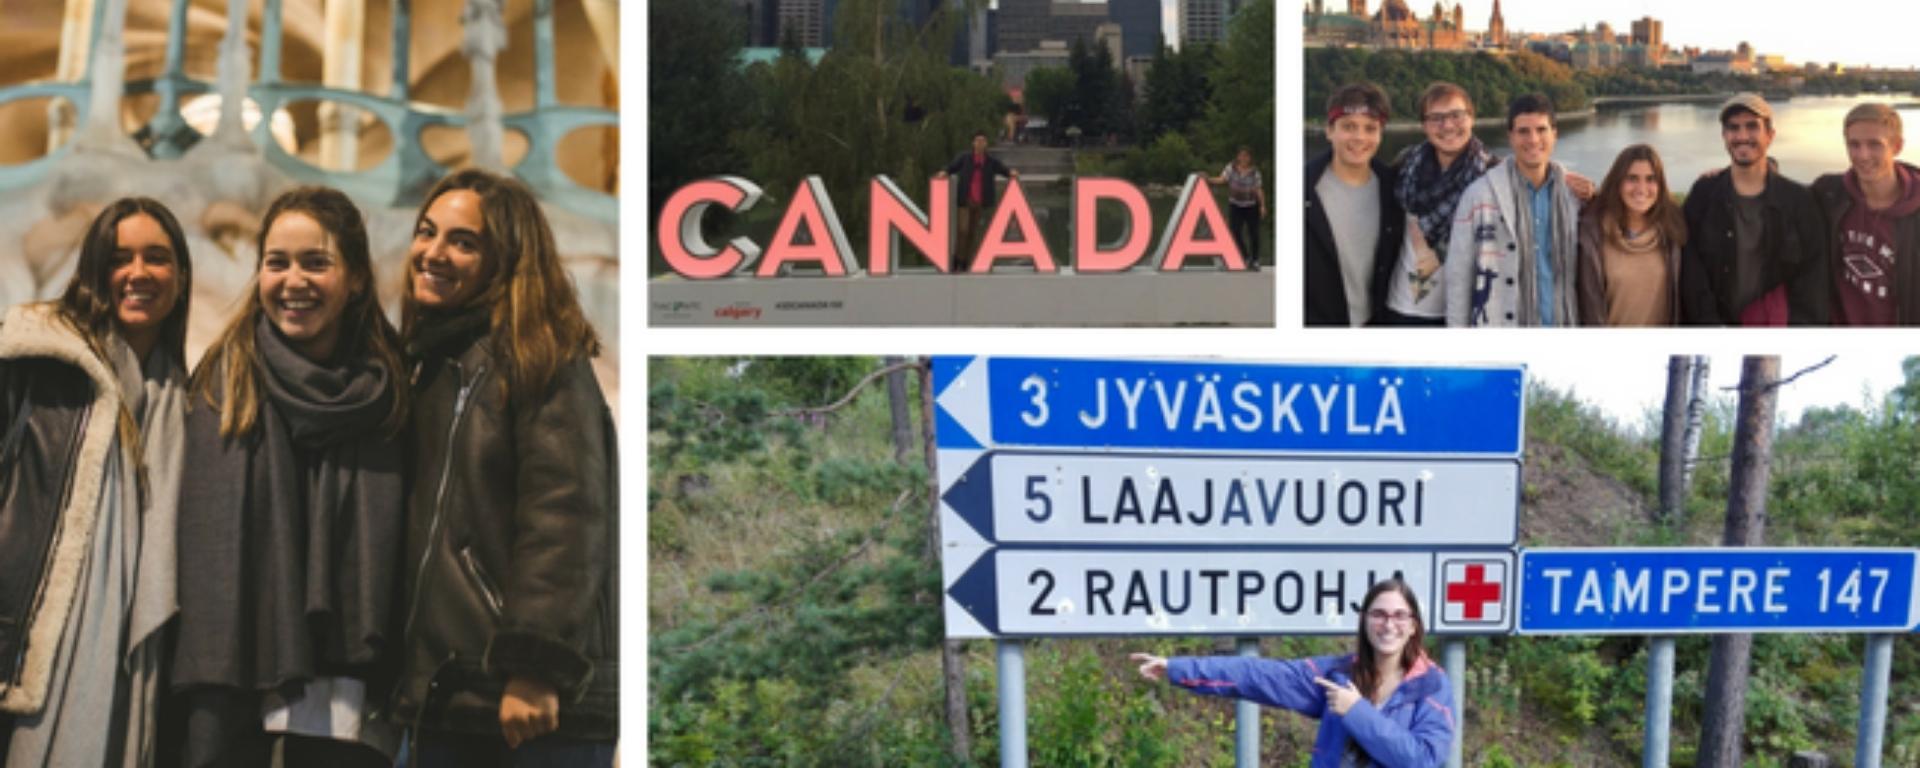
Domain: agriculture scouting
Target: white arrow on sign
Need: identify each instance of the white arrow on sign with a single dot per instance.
(1059, 498)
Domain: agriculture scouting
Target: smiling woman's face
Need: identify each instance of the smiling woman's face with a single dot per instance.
(446, 253)
(145, 279)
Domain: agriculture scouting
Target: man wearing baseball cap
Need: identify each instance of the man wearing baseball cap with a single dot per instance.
(1353, 223)
(1756, 250)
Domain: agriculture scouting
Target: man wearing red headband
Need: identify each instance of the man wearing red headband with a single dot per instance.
(1353, 224)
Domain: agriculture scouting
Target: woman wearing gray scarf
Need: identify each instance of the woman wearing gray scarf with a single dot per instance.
(92, 388)
(291, 522)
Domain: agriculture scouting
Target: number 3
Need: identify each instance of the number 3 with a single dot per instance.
(1038, 416)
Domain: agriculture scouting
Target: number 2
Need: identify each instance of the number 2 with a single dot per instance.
(1039, 607)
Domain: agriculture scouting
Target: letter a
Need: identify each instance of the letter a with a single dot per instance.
(1182, 240)
(1013, 209)
(812, 210)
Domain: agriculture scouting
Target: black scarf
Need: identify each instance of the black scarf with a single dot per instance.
(290, 538)
(1430, 193)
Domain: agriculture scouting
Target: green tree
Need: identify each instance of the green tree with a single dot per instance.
(1177, 90)
(1240, 110)
(884, 100)
(693, 48)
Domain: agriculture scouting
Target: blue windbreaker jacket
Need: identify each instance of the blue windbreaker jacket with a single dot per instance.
(1413, 730)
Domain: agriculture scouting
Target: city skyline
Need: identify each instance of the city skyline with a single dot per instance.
(1705, 25)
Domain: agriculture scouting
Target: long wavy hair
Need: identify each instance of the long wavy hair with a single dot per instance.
(87, 305)
(1366, 672)
(229, 377)
(1664, 216)
(535, 316)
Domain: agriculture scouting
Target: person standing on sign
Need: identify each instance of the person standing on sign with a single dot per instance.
(1387, 704)
(976, 170)
(1247, 204)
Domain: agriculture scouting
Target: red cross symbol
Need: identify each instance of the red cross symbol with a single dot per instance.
(1475, 592)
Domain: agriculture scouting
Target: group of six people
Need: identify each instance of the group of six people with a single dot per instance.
(333, 530)
(1448, 234)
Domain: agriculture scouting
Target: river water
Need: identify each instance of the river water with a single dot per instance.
(1807, 137)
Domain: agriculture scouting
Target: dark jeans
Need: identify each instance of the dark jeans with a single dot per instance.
(433, 749)
(1243, 223)
(970, 224)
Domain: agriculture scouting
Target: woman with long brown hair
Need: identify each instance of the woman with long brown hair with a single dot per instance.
(292, 519)
(1386, 704)
(509, 619)
(92, 398)
(1629, 244)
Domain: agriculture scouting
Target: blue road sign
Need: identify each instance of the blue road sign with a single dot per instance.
(1221, 406)
(1702, 591)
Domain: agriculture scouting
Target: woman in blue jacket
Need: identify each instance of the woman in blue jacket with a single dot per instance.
(1387, 704)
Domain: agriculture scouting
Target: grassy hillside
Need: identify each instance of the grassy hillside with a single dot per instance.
(795, 618)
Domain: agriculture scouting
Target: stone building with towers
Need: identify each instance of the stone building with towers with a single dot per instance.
(1395, 25)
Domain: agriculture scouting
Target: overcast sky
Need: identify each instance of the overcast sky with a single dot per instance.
(1630, 384)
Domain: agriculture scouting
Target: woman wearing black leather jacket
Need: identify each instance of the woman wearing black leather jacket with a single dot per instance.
(509, 622)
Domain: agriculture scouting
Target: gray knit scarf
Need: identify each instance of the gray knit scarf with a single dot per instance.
(295, 531)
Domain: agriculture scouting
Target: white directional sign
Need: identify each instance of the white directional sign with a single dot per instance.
(1154, 499)
(1137, 591)
(1190, 497)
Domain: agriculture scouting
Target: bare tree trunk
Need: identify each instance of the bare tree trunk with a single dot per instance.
(1673, 440)
(897, 405)
(1696, 417)
(953, 670)
(1726, 694)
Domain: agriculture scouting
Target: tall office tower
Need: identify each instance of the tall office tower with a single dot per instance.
(810, 21)
(1203, 21)
(1139, 25)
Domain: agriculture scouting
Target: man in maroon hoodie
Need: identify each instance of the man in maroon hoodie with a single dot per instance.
(1873, 211)
(976, 171)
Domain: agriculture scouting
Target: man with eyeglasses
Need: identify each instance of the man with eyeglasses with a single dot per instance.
(1353, 224)
(1428, 180)
(1510, 259)
(1756, 251)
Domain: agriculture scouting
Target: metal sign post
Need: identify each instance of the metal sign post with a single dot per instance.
(1664, 591)
(1654, 748)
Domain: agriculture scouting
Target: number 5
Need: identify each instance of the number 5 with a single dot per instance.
(1036, 493)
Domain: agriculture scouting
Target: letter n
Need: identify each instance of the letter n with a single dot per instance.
(1013, 209)
(686, 252)
(894, 215)
(1121, 253)
(1182, 240)
(811, 210)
